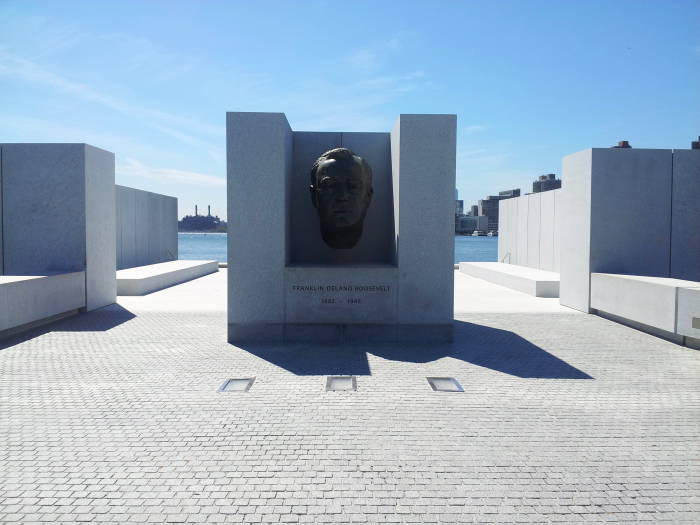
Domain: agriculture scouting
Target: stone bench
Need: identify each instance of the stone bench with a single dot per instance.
(27, 301)
(143, 280)
(532, 281)
(666, 307)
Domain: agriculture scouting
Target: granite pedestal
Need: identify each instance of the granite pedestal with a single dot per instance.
(285, 284)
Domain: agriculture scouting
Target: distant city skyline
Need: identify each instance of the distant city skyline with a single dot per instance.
(530, 82)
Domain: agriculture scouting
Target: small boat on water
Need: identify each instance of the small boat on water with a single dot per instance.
(492, 234)
(477, 233)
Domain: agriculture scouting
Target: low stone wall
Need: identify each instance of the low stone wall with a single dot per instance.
(528, 234)
(146, 227)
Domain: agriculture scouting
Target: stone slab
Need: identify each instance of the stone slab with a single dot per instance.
(423, 169)
(259, 164)
(100, 228)
(43, 208)
(547, 224)
(142, 280)
(605, 219)
(534, 240)
(346, 295)
(26, 299)
(58, 210)
(138, 245)
(2, 265)
(688, 321)
(339, 333)
(532, 281)
(685, 232)
(647, 300)
(521, 245)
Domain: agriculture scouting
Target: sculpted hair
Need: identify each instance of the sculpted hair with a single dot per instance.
(343, 155)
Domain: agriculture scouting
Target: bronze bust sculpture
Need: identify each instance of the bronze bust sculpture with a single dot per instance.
(341, 190)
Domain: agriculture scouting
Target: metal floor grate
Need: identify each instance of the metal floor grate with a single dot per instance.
(339, 383)
(445, 384)
(237, 384)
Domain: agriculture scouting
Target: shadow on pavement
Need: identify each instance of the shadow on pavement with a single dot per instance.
(99, 320)
(493, 348)
(315, 359)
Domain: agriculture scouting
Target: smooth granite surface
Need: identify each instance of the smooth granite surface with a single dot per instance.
(115, 417)
(259, 164)
(424, 173)
(685, 234)
(138, 245)
(417, 174)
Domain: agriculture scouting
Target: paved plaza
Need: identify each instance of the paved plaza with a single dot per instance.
(115, 417)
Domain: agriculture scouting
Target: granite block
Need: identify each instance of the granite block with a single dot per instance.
(534, 241)
(685, 229)
(423, 168)
(138, 245)
(100, 229)
(43, 208)
(259, 164)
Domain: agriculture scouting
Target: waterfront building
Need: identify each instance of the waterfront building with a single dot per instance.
(546, 183)
(489, 207)
(466, 224)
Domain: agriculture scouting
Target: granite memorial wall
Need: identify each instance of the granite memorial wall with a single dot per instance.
(628, 211)
(146, 227)
(298, 270)
(58, 215)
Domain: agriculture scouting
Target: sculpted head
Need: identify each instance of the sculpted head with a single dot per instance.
(341, 191)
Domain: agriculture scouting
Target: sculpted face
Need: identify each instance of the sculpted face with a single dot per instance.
(341, 191)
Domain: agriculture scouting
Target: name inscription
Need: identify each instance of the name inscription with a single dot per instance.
(342, 292)
(340, 288)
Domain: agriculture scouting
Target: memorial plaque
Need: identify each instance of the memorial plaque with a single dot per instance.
(340, 295)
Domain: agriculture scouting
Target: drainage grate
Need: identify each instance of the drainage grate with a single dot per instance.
(237, 385)
(336, 383)
(445, 384)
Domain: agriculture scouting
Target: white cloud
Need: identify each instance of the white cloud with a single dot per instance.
(374, 55)
(364, 59)
(158, 120)
(474, 128)
(134, 168)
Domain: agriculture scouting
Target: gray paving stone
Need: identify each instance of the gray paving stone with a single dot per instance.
(116, 418)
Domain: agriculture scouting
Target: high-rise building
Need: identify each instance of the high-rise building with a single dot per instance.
(459, 208)
(489, 207)
(546, 183)
(474, 210)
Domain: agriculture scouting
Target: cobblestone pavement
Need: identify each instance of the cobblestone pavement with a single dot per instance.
(113, 417)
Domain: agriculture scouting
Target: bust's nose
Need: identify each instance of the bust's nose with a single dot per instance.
(343, 193)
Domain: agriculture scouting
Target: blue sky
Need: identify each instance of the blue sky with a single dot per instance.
(530, 81)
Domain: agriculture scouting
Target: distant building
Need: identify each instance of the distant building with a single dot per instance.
(546, 183)
(459, 208)
(474, 210)
(489, 207)
(467, 224)
(201, 223)
(509, 194)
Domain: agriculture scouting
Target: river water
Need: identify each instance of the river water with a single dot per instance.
(213, 246)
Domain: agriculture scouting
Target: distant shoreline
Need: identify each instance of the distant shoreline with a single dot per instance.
(205, 233)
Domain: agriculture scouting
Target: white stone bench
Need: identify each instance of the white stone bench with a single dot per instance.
(143, 280)
(660, 305)
(532, 281)
(27, 301)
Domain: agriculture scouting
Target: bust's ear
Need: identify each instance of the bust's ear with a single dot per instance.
(312, 190)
